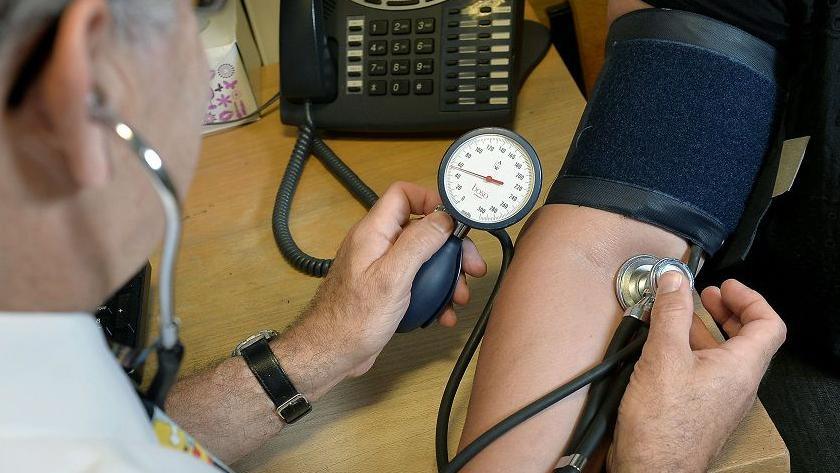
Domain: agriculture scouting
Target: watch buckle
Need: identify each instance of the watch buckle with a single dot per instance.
(261, 335)
(292, 401)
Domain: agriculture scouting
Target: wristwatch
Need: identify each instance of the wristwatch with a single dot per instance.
(289, 404)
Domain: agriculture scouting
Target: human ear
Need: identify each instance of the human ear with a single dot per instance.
(63, 91)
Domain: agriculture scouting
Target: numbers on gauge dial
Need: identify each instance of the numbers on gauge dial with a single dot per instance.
(489, 178)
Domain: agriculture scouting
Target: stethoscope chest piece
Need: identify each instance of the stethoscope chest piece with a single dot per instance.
(639, 276)
(633, 278)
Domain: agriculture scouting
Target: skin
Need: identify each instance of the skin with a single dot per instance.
(84, 217)
(68, 184)
(351, 318)
(571, 315)
(680, 374)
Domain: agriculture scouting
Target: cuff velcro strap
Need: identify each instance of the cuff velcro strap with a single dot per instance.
(677, 126)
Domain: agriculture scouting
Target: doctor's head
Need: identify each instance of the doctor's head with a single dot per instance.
(78, 214)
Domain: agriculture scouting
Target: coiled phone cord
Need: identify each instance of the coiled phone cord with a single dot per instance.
(306, 144)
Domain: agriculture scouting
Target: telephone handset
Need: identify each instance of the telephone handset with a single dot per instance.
(401, 65)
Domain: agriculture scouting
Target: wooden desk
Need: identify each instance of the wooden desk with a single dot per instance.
(232, 281)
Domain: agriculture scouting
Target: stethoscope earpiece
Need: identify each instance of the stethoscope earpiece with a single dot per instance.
(168, 345)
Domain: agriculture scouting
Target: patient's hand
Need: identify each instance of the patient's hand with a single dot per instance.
(689, 392)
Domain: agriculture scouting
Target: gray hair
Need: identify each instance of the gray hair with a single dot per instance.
(133, 18)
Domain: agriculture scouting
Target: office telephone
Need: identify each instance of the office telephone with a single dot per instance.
(404, 65)
(390, 66)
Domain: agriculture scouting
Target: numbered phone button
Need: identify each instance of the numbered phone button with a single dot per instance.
(377, 87)
(378, 27)
(401, 46)
(424, 66)
(425, 25)
(377, 67)
(400, 86)
(423, 87)
(401, 27)
(424, 46)
(378, 47)
(400, 67)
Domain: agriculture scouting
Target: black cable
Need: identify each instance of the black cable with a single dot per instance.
(543, 403)
(283, 204)
(460, 368)
(623, 333)
(343, 173)
(606, 414)
(306, 144)
(169, 360)
(694, 255)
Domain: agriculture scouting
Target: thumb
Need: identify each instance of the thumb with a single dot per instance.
(418, 242)
(673, 310)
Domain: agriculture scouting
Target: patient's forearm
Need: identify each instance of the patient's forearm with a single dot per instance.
(552, 320)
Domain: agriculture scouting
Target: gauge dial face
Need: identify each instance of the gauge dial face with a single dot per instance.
(491, 179)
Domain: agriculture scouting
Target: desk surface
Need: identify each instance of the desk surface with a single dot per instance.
(232, 281)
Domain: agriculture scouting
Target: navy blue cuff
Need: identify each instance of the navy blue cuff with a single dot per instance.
(644, 205)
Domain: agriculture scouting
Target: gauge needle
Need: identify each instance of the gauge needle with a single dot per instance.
(486, 178)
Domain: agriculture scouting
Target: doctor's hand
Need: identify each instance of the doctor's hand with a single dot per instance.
(688, 391)
(367, 290)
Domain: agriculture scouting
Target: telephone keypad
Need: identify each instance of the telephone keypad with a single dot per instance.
(378, 27)
(424, 25)
(392, 56)
(424, 46)
(401, 46)
(423, 87)
(378, 47)
(424, 66)
(401, 27)
(377, 67)
(400, 86)
(377, 87)
(400, 67)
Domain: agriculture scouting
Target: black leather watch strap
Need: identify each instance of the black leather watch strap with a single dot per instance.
(289, 404)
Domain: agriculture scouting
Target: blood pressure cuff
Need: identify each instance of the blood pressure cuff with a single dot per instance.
(677, 126)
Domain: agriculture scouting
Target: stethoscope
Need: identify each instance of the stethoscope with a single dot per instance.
(168, 345)
(479, 172)
(489, 179)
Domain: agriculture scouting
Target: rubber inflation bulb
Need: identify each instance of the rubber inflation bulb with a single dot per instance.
(433, 286)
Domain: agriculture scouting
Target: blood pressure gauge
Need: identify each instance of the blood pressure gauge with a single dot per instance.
(488, 179)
